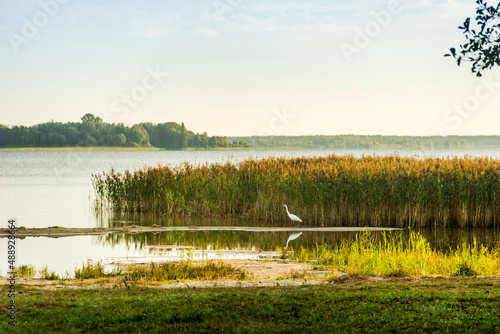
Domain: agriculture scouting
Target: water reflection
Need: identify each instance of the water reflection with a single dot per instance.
(442, 239)
(179, 253)
(292, 236)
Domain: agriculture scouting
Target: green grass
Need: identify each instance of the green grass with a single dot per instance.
(393, 256)
(389, 191)
(90, 270)
(465, 306)
(162, 272)
(24, 270)
(183, 270)
(50, 275)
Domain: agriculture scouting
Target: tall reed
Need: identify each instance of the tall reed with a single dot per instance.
(328, 190)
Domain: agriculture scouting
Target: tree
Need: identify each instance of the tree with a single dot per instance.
(88, 118)
(92, 131)
(137, 135)
(483, 44)
(183, 137)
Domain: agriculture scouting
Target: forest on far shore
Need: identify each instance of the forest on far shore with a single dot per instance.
(92, 131)
(371, 142)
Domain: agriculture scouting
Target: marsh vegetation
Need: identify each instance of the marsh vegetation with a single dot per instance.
(392, 255)
(388, 191)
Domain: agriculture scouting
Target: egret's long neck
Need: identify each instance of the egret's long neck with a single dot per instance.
(286, 207)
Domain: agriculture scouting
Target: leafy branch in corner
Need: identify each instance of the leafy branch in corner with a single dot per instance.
(483, 43)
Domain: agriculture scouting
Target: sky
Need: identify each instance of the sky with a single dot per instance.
(246, 67)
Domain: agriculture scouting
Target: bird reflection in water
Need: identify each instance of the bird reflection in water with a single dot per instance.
(293, 236)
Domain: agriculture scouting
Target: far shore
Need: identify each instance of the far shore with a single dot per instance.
(120, 148)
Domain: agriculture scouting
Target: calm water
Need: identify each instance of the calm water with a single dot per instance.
(41, 189)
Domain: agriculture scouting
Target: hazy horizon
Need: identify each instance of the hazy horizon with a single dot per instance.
(246, 68)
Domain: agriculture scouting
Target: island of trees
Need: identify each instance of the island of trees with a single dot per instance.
(92, 131)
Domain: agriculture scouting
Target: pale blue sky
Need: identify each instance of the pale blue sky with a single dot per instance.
(245, 67)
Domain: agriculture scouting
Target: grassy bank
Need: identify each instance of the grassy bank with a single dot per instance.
(462, 306)
(333, 190)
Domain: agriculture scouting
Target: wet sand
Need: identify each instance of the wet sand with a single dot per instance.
(58, 231)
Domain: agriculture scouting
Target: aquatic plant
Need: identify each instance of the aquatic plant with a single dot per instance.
(25, 270)
(159, 272)
(182, 270)
(391, 255)
(90, 270)
(50, 275)
(328, 190)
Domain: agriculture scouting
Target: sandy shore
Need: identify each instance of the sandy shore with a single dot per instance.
(263, 273)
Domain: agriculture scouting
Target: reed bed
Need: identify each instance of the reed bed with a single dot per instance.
(393, 256)
(390, 191)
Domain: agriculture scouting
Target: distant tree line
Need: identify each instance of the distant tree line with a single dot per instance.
(372, 142)
(92, 131)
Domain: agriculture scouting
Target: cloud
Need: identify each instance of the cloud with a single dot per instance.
(321, 28)
(454, 9)
(148, 30)
(208, 32)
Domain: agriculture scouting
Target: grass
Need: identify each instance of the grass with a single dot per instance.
(183, 270)
(50, 275)
(27, 271)
(463, 306)
(91, 270)
(161, 272)
(390, 191)
(390, 255)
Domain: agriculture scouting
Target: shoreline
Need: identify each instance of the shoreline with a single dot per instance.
(120, 148)
(276, 275)
(58, 231)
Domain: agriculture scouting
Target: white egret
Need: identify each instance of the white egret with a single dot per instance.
(293, 236)
(292, 216)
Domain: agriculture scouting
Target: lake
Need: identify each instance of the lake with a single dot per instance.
(41, 189)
